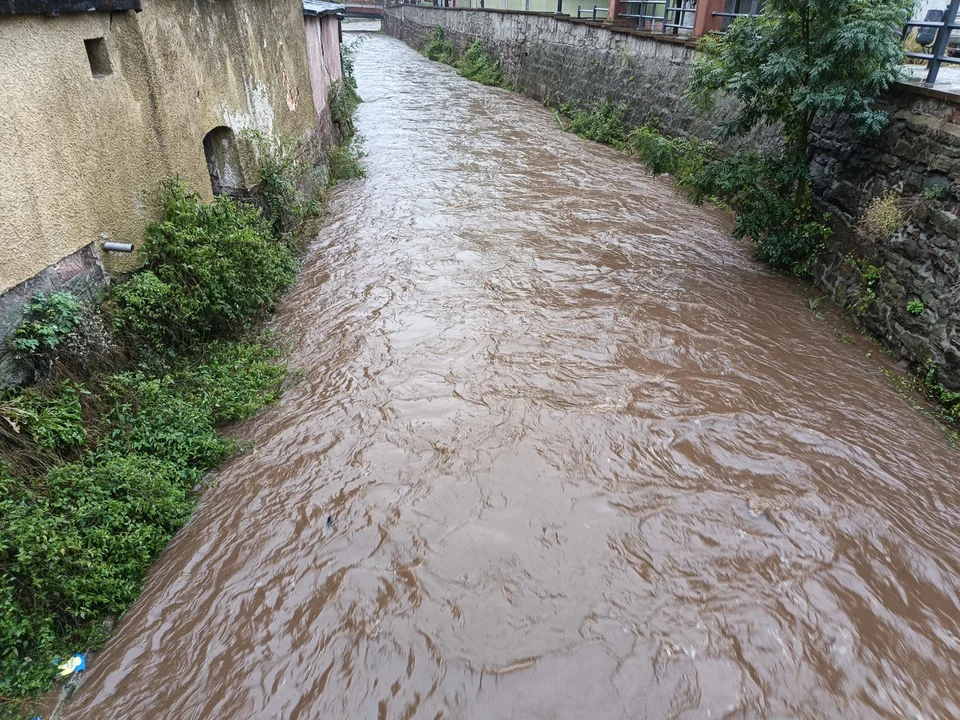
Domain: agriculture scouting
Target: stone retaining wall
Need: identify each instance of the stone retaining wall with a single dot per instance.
(557, 59)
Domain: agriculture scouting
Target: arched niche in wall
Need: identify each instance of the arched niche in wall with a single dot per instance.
(223, 162)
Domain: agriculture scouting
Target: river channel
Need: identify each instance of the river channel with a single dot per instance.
(559, 448)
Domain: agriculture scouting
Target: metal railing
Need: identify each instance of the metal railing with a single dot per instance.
(737, 9)
(943, 27)
(657, 17)
(589, 12)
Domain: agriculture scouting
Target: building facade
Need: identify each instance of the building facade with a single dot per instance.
(101, 100)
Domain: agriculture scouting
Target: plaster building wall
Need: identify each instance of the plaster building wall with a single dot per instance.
(98, 108)
(85, 145)
(323, 57)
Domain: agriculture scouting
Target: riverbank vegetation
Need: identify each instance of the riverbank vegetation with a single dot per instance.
(788, 67)
(475, 64)
(103, 456)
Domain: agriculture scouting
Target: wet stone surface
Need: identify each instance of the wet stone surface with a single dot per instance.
(561, 449)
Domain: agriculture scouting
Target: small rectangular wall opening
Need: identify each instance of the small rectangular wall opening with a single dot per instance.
(98, 57)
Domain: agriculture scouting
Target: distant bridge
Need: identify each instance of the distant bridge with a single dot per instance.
(364, 8)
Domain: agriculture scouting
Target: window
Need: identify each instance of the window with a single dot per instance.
(98, 57)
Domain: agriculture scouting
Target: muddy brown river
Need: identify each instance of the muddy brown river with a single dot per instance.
(560, 449)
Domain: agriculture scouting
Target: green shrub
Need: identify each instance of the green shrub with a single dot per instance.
(76, 541)
(152, 416)
(686, 159)
(774, 207)
(344, 161)
(915, 307)
(285, 172)
(603, 123)
(343, 101)
(231, 380)
(48, 319)
(210, 270)
(55, 423)
(476, 65)
(59, 328)
(438, 48)
(74, 548)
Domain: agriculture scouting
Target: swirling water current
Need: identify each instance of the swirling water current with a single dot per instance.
(560, 449)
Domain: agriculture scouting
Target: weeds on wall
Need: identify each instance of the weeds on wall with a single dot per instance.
(476, 64)
(101, 462)
(344, 160)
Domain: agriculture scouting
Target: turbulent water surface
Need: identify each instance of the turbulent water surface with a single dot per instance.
(561, 449)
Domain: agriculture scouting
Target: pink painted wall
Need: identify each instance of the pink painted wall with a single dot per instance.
(323, 58)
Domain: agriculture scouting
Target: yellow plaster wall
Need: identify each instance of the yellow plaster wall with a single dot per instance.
(81, 156)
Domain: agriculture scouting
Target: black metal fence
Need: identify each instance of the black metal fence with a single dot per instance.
(581, 11)
(654, 15)
(739, 8)
(934, 33)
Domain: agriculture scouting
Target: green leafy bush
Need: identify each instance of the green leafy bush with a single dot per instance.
(343, 101)
(602, 123)
(438, 48)
(285, 181)
(75, 548)
(55, 423)
(774, 207)
(344, 161)
(915, 307)
(476, 65)
(210, 270)
(48, 320)
(76, 541)
(59, 328)
(231, 380)
(687, 159)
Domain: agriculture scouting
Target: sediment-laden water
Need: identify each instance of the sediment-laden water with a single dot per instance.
(561, 449)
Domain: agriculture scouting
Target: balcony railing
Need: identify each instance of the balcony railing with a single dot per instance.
(934, 32)
(587, 12)
(655, 15)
